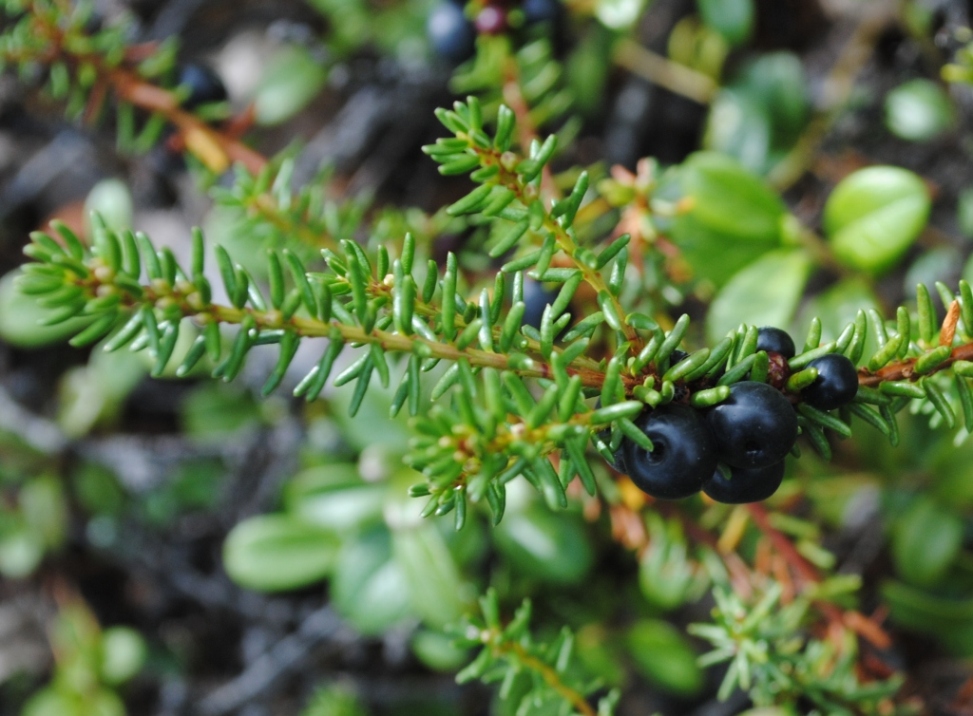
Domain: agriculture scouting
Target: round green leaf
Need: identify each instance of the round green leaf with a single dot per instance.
(123, 654)
(50, 702)
(925, 541)
(765, 293)
(740, 127)
(918, 110)
(291, 80)
(733, 19)
(369, 588)
(544, 545)
(618, 14)
(112, 201)
(272, 553)
(729, 199)
(433, 581)
(777, 81)
(663, 656)
(874, 215)
(335, 497)
(20, 318)
(438, 651)
(21, 550)
(335, 699)
(734, 216)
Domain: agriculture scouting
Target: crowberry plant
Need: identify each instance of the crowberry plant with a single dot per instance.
(556, 361)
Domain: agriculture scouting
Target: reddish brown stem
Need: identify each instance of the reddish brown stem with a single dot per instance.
(851, 619)
(807, 571)
(906, 369)
(216, 149)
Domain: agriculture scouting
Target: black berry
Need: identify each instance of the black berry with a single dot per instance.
(450, 33)
(774, 340)
(836, 384)
(745, 485)
(205, 86)
(754, 427)
(683, 453)
(536, 299)
(677, 356)
(537, 11)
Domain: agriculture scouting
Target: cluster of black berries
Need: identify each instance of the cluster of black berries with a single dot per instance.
(734, 451)
(453, 35)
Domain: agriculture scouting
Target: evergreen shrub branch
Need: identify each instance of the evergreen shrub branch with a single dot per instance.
(83, 68)
(508, 652)
(492, 397)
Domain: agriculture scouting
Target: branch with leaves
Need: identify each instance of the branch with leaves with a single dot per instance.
(508, 652)
(85, 68)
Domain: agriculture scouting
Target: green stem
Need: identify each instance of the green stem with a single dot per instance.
(527, 195)
(186, 298)
(546, 672)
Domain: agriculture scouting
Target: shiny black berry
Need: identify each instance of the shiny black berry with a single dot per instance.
(677, 356)
(754, 427)
(683, 453)
(836, 384)
(205, 86)
(450, 33)
(774, 340)
(536, 299)
(745, 485)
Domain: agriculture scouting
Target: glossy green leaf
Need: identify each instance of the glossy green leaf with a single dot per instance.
(619, 14)
(925, 542)
(733, 19)
(335, 699)
(335, 497)
(21, 316)
(292, 78)
(438, 651)
(765, 293)
(734, 216)
(738, 125)
(112, 201)
(918, 110)
(51, 702)
(21, 550)
(874, 215)
(948, 619)
(44, 509)
(95, 393)
(543, 545)
(273, 553)
(777, 81)
(214, 411)
(369, 588)
(123, 654)
(434, 584)
(663, 655)
(588, 69)
(729, 199)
